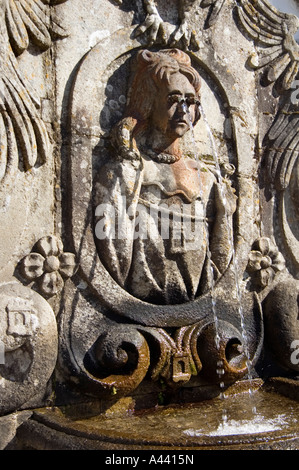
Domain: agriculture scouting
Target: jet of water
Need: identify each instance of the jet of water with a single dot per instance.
(220, 366)
(219, 177)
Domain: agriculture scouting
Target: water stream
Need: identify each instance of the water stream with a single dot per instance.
(220, 369)
(220, 366)
(233, 251)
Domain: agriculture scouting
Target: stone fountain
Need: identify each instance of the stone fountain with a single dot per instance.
(149, 268)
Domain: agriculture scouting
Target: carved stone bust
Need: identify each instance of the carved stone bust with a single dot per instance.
(159, 211)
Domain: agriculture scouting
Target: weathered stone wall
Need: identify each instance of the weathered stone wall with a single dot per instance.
(71, 327)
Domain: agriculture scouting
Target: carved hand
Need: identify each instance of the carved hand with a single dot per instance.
(225, 199)
(121, 140)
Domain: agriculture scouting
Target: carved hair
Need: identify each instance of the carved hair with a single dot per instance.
(149, 71)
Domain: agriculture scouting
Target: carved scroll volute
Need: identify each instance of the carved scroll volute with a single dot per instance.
(118, 361)
(222, 353)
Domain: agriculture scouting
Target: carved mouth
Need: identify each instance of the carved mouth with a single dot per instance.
(181, 121)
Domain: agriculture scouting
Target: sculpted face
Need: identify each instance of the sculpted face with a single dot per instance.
(174, 106)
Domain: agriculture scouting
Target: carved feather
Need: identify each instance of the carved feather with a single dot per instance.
(283, 145)
(23, 135)
(274, 32)
(30, 18)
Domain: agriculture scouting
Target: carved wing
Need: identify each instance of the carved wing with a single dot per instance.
(23, 135)
(283, 145)
(274, 32)
(32, 18)
(22, 131)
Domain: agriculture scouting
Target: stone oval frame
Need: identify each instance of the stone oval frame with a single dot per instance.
(84, 130)
(41, 339)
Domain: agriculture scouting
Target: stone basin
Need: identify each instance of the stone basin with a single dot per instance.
(260, 419)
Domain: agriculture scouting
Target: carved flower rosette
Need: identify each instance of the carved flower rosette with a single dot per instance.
(48, 265)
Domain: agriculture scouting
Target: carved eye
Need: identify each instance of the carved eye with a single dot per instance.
(190, 100)
(172, 99)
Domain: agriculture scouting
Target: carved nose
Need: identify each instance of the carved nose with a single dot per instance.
(182, 106)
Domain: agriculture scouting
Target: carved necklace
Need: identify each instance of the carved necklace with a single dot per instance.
(163, 157)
